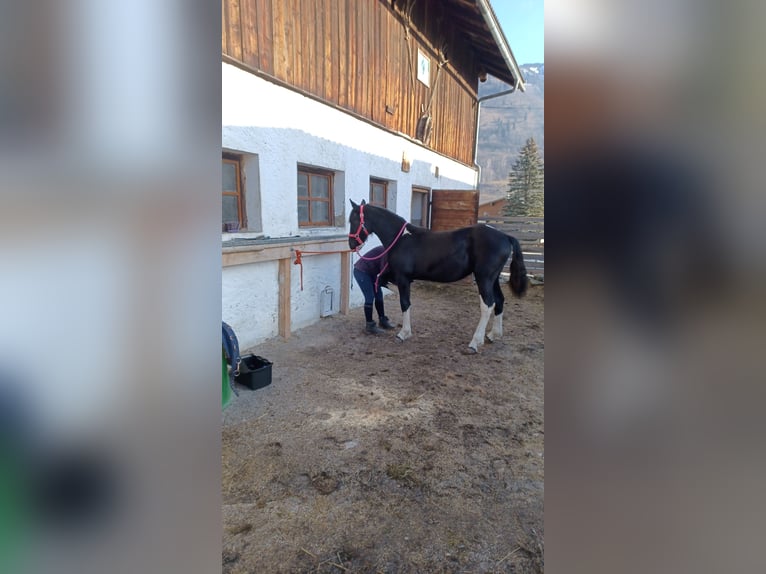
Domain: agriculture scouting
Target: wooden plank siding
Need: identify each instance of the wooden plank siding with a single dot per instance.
(248, 19)
(265, 21)
(354, 54)
(452, 209)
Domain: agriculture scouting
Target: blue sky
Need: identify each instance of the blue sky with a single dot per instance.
(522, 23)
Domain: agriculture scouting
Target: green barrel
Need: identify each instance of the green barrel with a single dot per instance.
(225, 386)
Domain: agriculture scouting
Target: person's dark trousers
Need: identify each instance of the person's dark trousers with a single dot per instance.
(367, 285)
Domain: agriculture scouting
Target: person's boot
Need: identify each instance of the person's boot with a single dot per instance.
(372, 328)
(383, 320)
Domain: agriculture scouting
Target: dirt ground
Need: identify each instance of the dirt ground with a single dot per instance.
(370, 455)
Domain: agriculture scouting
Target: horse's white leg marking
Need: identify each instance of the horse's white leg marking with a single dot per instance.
(497, 328)
(406, 331)
(491, 323)
(481, 329)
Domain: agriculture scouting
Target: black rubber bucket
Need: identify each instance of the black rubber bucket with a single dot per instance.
(254, 372)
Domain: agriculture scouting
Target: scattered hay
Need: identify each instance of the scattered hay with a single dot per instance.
(323, 483)
(240, 528)
(402, 473)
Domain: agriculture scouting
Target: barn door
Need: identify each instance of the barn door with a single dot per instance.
(452, 208)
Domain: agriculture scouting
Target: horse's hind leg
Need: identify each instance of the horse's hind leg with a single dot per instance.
(404, 301)
(487, 303)
(497, 324)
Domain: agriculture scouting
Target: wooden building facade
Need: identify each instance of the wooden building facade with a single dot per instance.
(410, 66)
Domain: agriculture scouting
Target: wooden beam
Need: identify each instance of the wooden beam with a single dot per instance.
(257, 253)
(285, 265)
(345, 282)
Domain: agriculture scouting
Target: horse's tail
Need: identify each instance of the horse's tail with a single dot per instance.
(519, 280)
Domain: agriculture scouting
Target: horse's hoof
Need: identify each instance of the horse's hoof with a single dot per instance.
(487, 339)
(399, 339)
(470, 351)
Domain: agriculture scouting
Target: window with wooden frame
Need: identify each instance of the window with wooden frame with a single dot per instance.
(419, 207)
(233, 207)
(379, 192)
(315, 203)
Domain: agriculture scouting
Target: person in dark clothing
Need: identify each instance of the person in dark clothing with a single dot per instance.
(366, 272)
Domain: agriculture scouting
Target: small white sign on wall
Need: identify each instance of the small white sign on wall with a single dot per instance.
(424, 68)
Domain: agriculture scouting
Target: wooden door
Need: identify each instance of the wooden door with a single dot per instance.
(452, 208)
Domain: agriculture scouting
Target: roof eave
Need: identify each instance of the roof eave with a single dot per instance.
(502, 43)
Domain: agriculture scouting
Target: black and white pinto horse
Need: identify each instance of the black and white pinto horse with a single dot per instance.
(443, 256)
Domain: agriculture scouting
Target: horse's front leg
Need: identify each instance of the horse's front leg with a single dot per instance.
(404, 301)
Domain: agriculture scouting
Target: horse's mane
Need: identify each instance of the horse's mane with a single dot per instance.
(414, 229)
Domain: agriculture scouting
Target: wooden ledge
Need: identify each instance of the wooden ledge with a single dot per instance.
(274, 250)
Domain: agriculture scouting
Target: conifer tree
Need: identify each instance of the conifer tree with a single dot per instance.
(526, 183)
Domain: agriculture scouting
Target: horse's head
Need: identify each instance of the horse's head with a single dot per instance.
(359, 232)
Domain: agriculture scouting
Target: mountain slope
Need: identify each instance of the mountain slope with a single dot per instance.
(506, 123)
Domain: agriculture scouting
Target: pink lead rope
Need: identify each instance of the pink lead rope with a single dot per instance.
(377, 279)
(357, 236)
(387, 249)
